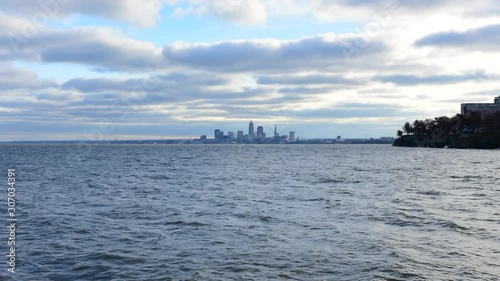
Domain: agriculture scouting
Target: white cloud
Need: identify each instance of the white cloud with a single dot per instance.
(240, 11)
(137, 12)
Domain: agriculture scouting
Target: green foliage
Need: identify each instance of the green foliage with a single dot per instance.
(456, 125)
(407, 128)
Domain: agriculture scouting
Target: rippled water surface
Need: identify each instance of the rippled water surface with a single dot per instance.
(244, 212)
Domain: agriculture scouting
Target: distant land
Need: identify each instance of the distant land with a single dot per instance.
(252, 137)
(476, 127)
(382, 140)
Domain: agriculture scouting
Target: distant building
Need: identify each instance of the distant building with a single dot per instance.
(276, 135)
(203, 137)
(339, 138)
(251, 131)
(248, 138)
(387, 139)
(260, 132)
(218, 135)
(292, 136)
(240, 136)
(484, 109)
(230, 135)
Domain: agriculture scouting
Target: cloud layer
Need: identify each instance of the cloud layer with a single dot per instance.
(486, 38)
(141, 13)
(70, 66)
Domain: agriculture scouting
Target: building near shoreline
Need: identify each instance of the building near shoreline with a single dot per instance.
(260, 132)
(218, 134)
(484, 109)
(251, 131)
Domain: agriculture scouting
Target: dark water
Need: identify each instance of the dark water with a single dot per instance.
(160, 212)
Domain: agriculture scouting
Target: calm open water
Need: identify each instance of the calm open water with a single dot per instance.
(245, 212)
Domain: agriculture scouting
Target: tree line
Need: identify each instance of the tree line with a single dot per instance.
(459, 124)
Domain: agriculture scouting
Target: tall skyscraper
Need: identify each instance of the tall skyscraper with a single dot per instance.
(240, 136)
(292, 136)
(260, 132)
(218, 135)
(276, 135)
(230, 135)
(250, 129)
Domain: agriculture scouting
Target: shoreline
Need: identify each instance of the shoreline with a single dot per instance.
(470, 141)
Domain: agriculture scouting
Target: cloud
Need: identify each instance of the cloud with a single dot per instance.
(485, 38)
(350, 110)
(240, 11)
(307, 80)
(304, 91)
(411, 4)
(174, 89)
(155, 83)
(270, 54)
(257, 12)
(411, 80)
(96, 46)
(136, 12)
(22, 79)
(320, 81)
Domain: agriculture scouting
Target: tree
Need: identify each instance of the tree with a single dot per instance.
(429, 125)
(407, 128)
(457, 123)
(419, 127)
(400, 133)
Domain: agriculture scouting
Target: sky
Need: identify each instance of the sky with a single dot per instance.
(149, 69)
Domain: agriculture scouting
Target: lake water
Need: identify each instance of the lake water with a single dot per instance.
(252, 212)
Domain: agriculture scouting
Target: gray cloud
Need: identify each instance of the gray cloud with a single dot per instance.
(343, 110)
(411, 80)
(377, 4)
(155, 83)
(307, 80)
(22, 79)
(484, 38)
(97, 46)
(268, 55)
(94, 46)
(351, 110)
(136, 12)
(308, 90)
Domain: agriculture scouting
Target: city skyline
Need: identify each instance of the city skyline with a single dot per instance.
(252, 135)
(105, 70)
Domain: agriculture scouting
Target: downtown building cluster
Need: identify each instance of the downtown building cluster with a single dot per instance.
(253, 136)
